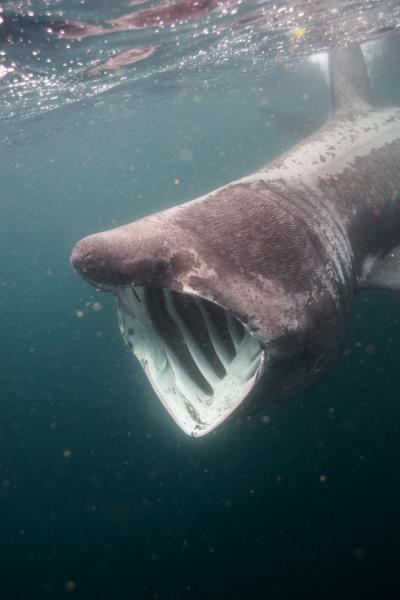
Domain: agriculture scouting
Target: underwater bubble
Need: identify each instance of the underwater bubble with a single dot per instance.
(70, 586)
(185, 155)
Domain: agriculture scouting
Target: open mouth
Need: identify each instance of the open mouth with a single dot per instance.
(201, 361)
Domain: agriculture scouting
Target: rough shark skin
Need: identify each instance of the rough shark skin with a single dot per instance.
(282, 250)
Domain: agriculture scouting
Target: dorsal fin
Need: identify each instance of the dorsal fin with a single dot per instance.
(350, 85)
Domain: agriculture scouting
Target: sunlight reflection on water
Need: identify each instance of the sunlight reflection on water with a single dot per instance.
(54, 53)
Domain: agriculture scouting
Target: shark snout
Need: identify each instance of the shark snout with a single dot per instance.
(93, 258)
(80, 255)
(137, 254)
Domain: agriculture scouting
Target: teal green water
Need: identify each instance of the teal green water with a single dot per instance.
(101, 496)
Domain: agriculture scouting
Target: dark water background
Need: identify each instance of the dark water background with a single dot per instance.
(101, 496)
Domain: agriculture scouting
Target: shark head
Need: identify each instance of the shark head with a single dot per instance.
(199, 355)
(211, 305)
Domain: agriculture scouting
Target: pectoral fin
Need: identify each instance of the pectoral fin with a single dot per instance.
(383, 272)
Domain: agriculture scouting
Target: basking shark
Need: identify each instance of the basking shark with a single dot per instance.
(240, 298)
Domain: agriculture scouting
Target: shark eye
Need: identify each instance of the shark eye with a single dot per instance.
(201, 361)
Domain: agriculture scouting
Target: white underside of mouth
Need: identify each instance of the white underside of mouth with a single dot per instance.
(201, 361)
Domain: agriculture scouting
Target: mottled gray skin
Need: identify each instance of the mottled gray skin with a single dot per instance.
(284, 249)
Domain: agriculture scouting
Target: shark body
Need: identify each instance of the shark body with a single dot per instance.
(241, 298)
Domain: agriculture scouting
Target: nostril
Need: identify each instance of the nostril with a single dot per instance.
(161, 267)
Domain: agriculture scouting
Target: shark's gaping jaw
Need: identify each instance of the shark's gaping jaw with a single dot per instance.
(201, 361)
